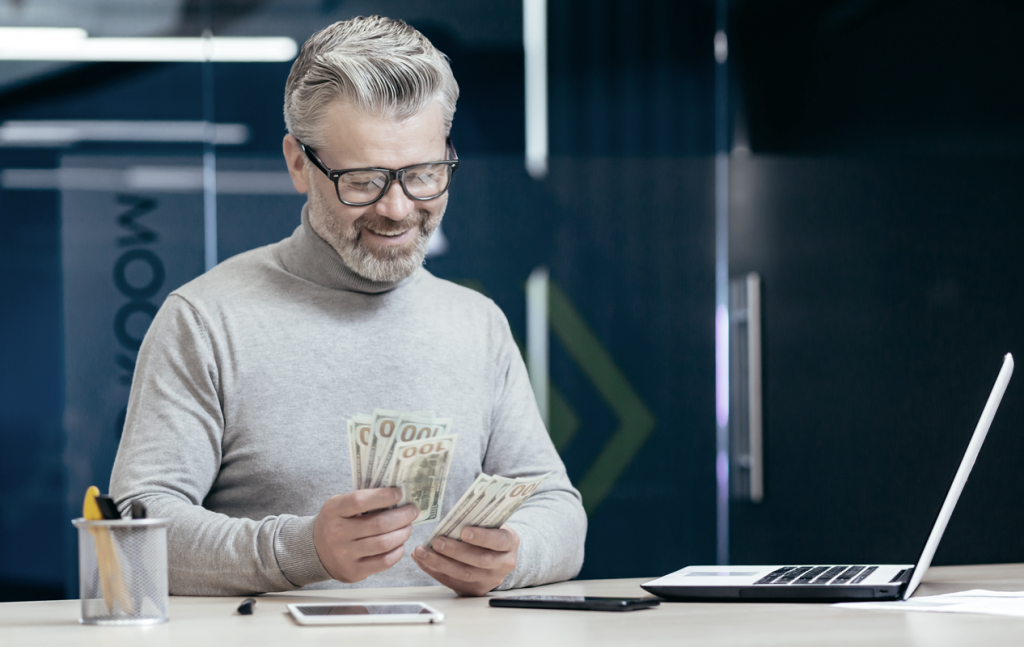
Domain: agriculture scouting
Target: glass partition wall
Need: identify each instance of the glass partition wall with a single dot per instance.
(130, 168)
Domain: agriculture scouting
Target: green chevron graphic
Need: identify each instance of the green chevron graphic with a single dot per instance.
(564, 421)
(636, 422)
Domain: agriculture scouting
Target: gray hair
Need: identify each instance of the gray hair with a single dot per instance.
(380, 66)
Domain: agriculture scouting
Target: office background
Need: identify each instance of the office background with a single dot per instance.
(872, 152)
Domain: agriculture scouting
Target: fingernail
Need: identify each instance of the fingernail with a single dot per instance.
(439, 543)
(468, 535)
(398, 495)
(420, 552)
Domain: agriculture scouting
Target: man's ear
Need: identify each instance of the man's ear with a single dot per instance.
(296, 160)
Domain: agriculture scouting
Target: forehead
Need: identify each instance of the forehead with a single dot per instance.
(355, 139)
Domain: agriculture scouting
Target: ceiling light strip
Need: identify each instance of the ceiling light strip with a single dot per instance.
(66, 132)
(225, 49)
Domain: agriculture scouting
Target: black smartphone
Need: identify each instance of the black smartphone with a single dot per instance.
(574, 602)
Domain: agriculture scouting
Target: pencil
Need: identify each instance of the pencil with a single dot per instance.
(109, 565)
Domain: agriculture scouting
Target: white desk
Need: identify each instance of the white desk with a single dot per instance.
(196, 622)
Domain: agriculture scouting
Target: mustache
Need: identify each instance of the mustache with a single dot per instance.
(387, 225)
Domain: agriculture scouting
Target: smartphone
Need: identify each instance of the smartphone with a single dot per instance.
(574, 602)
(363, 613)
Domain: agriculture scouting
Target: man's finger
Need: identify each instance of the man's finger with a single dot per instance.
(381, 544)
(443, 578)
(377, 563)
(500, 539)
(450, 567)
(382, 522)
(361, 501)
(468, 554)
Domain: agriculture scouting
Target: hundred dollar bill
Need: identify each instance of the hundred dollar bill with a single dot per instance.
(385, 423)
(360, 428)
(488, 503)
(410, 427)
(511, 499)
(495, 495)
(476, 493)
(421, 470)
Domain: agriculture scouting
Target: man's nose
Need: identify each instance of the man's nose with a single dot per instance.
(395, 204)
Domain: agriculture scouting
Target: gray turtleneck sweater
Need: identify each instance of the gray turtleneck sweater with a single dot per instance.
(236, 421)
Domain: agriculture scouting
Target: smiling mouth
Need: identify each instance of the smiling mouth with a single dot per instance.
(389, 234)
(390, 238)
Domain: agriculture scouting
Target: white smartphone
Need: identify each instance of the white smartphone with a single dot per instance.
(362, 613)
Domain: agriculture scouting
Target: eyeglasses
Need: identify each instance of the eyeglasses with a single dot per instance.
(359, 187)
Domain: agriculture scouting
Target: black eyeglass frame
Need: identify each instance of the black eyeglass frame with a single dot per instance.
(392, 174)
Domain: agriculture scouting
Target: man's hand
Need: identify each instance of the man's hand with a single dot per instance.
(473, 566)
(353, 546)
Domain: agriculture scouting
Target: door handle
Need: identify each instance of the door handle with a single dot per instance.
(746, 427)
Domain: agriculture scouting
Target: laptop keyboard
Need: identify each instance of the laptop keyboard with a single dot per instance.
(820, 575)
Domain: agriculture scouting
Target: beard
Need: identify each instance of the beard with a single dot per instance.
(376, 263)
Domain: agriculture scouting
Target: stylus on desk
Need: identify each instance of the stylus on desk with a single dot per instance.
(247, 606)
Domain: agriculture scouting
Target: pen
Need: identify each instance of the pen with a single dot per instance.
(138, 509)
(247, 606)
(107, 507)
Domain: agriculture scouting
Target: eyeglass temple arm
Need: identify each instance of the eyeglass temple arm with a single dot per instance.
(313, 158)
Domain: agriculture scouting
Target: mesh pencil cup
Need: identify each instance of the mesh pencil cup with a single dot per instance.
(122, 571)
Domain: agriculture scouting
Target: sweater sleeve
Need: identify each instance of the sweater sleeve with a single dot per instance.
(169, 457)
(551, 524)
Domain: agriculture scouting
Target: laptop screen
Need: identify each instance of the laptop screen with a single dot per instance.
(966, 464)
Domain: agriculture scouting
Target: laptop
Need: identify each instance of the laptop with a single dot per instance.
(831, 582)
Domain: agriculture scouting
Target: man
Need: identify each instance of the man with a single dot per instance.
(236, 421)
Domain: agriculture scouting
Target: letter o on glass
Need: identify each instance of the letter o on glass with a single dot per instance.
(156, 266)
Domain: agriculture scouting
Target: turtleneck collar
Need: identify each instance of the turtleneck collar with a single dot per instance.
(308, 256)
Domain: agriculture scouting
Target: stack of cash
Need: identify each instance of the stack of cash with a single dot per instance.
(410, 451)
(488, 503)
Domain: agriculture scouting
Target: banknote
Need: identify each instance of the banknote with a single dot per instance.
(385, 424)
(488, 503)
(409, 450)
(511, 499)
(471, 498)
(383, 428)
(420, 469)
(409, 427)
(360, 428)
(414, 451)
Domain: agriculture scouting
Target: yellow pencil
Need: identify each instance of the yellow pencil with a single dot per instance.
(111, 576)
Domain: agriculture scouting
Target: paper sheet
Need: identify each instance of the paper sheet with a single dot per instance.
(1000, 603)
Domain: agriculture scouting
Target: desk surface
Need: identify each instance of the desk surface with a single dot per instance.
(196, 622)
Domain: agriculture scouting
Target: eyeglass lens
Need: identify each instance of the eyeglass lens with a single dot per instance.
(424, 181)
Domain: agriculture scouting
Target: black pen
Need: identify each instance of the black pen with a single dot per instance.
(107, 507)
(138, 509)
(247, 606)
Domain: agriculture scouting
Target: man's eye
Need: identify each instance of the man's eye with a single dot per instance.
(427, 178)
(364, 184)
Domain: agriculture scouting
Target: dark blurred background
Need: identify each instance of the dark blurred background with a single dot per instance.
(873, 150)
